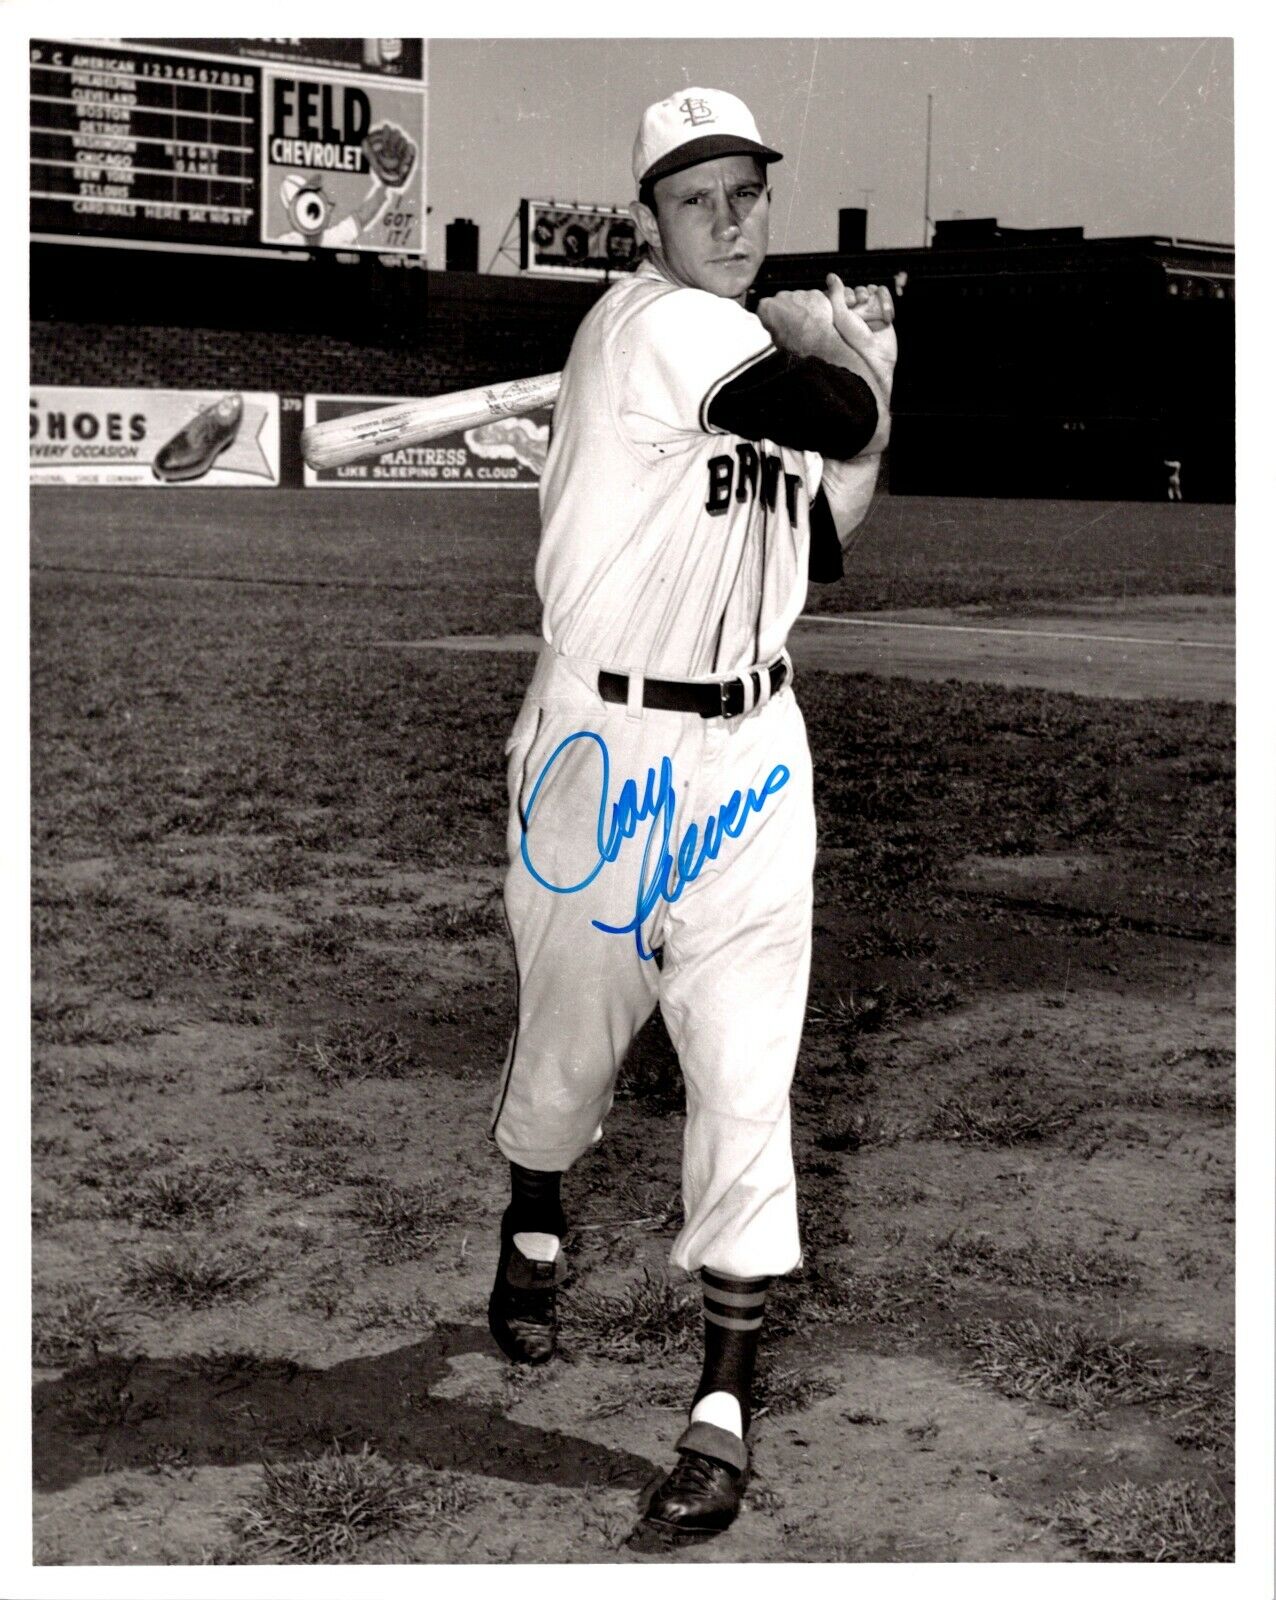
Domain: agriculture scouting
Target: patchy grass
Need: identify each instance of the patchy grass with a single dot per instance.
(307, 1173)
(1072, 1367)
(779, 1391)
(328, 1292)
(178, 1199)
(903, 1298)
(1004, 1123)
(412, 1313)
(403, 1221)
(889, 937)
(49, 1212)
(100, 1399)
(629, 1205)
(347, 1053)
(458, 924)
(157, 756)
(814, 1295)
(665, 1389)
(1176, 1521)
(241, 879)
(650, 1317)
(105, 1074)
(1208, 1424)
(326, 1509)
(223, 1365)
(857, 1011)
(58, 1018)
(113, 1166)
(862, 1130)
(195, 1274)
(1036, 1264)
(326, 1133)
(82, 1326)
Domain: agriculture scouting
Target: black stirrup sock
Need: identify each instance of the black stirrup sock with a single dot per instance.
(535, 1206)
(733, 1310)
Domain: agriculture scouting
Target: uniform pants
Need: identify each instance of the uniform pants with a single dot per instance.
(735, 947)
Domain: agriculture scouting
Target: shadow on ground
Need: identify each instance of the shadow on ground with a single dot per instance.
(224, 1410)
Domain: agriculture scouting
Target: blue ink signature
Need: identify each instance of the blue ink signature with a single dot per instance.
(656, 803)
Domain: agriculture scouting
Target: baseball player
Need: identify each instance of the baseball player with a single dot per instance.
(705, 460)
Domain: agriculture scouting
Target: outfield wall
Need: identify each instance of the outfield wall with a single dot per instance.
(997, 391)
(151, 319)
(110, 319)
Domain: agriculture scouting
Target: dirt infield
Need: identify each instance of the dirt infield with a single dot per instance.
(1167, 648)
(272, 990)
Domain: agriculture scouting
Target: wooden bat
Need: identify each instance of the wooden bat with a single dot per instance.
(369, 433)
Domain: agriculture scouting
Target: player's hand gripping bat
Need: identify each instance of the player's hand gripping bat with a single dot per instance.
(864, 318)
(371, 433)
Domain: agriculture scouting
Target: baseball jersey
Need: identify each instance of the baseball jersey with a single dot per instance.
(668, 547)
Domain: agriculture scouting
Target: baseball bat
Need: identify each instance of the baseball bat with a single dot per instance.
(369, 433)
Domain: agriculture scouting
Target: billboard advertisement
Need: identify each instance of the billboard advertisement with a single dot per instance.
(576, 241)
(165, 147)
(505, 453)
(341, 164)
(162, 437)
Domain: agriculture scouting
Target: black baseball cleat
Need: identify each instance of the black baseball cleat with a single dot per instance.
(190, 453)
(522, 1312)
(702, 1494)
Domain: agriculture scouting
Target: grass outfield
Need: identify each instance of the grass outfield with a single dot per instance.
(473, 553)
(272, 990)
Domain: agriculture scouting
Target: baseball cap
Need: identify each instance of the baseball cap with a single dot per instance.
(695, 125)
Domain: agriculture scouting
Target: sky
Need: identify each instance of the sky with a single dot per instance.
(1120, 136)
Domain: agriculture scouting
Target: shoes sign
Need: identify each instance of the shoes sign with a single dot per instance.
(161, 437)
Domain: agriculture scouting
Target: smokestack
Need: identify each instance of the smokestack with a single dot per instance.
(852, 230)
(461, 248)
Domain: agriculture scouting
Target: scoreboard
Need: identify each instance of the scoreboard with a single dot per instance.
(140, 145)
(261, 145)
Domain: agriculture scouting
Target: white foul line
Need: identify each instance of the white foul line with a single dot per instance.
(1021, 633)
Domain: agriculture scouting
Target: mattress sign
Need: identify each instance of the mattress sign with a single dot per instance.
(505, 453)
(167, 438)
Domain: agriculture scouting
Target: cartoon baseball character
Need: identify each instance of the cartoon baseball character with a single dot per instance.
(390, 154)
(705, 461)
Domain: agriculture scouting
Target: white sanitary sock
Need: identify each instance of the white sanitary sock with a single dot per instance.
(537, 1246)
(722, 1410)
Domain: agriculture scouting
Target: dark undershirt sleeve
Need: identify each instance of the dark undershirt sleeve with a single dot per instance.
(824, 563)
(799, 401)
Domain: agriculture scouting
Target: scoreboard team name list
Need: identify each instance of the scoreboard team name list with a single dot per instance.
(159, 141)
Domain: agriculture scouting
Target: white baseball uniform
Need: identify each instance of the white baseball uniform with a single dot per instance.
(669, 550)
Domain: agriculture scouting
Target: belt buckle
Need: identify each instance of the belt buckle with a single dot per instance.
(723, 688)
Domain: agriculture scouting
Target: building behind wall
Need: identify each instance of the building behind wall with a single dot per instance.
(1041, 363)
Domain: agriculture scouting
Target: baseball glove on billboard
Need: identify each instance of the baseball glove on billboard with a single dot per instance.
(391, 154)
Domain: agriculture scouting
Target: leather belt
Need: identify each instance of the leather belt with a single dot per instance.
(721, 699)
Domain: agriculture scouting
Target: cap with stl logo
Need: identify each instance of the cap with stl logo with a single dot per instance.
(695, 125)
